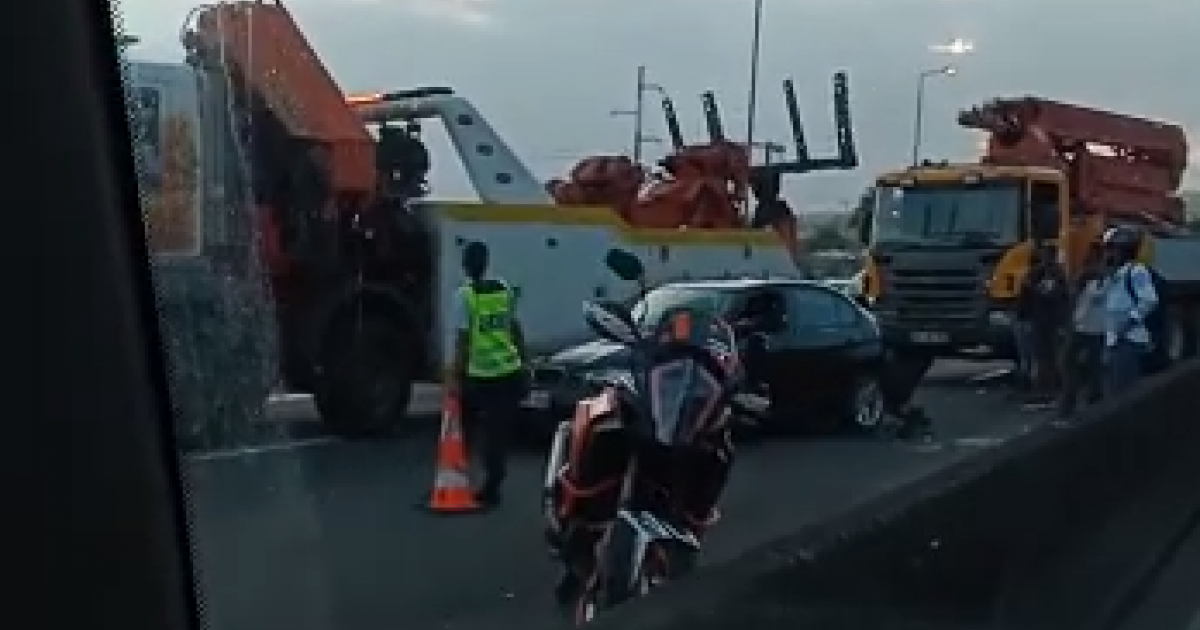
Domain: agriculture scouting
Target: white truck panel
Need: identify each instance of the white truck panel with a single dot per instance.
(557, 264)
(554, 256)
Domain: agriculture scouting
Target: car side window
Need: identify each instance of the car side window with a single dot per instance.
(812, 309)
(845, 313)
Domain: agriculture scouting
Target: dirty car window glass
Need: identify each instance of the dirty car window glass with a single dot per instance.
(306, 224)
(985, 214)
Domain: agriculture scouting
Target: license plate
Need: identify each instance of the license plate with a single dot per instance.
(929, 337)
(537, 399)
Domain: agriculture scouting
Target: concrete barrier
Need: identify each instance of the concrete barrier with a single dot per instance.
(1056, 529)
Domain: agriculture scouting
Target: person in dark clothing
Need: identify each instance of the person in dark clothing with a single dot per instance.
(1083, 358)
(1043, 303)
(489, 366)
(902, 375)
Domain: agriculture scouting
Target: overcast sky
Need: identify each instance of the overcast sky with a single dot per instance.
(548, 72)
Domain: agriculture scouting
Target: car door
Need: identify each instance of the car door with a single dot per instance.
(749, 306)
(815, 356)
(864, 351)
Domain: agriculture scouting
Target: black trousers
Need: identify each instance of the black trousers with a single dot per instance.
(1047, 344)
(1082, 370)
(491, 408)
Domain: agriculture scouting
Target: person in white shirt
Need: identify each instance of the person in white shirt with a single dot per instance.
(1083, 369)
(1129, 300)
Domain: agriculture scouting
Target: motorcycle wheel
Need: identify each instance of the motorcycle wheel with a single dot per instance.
(678, 560)
(587, 606)
(611, 584)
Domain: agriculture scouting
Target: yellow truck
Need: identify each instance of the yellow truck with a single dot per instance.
(949, 244)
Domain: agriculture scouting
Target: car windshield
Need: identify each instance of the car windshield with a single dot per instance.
(650, 309)
(957, 215)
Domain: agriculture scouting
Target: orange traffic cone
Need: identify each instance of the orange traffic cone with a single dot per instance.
(452, 492)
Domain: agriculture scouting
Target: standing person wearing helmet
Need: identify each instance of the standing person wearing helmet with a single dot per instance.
(489, 365)
(1043, 304)
(1129, 301)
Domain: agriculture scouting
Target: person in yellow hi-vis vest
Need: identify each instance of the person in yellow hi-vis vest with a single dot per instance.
(489, 368)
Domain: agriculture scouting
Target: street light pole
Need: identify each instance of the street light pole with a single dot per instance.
(919, 116)
(755, 54)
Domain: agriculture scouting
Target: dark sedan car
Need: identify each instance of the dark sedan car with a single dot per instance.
(813, 353)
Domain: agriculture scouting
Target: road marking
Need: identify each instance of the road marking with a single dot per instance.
(979, 441)
(289, 398)
(937, 446)
(249, 451)
(933, 446)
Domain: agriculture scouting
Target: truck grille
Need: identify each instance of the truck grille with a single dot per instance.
(933, 297)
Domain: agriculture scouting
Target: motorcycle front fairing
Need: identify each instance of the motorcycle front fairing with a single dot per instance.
(685, 379)
(645, 428)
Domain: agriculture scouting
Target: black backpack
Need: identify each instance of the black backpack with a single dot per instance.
(1157, 322)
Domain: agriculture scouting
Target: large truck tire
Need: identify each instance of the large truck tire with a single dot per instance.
(366, 380)
(217, 333)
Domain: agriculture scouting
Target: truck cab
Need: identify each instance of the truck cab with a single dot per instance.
(947, 249)
(949, 244)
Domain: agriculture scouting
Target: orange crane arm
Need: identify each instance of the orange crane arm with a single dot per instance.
(265, 48)
(1119, 165)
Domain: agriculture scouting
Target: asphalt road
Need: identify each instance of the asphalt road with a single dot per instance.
(324, 535)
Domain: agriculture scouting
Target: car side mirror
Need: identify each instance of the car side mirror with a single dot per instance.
(860, 218)
(862, 228)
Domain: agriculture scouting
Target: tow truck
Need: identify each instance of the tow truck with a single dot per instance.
(949, 244)
(261, 172)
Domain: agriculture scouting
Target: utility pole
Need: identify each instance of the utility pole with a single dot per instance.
(755, 54)
(769, 149)
(125, 41)
(639, 113)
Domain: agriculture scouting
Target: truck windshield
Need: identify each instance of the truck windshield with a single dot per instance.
(978, 215)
